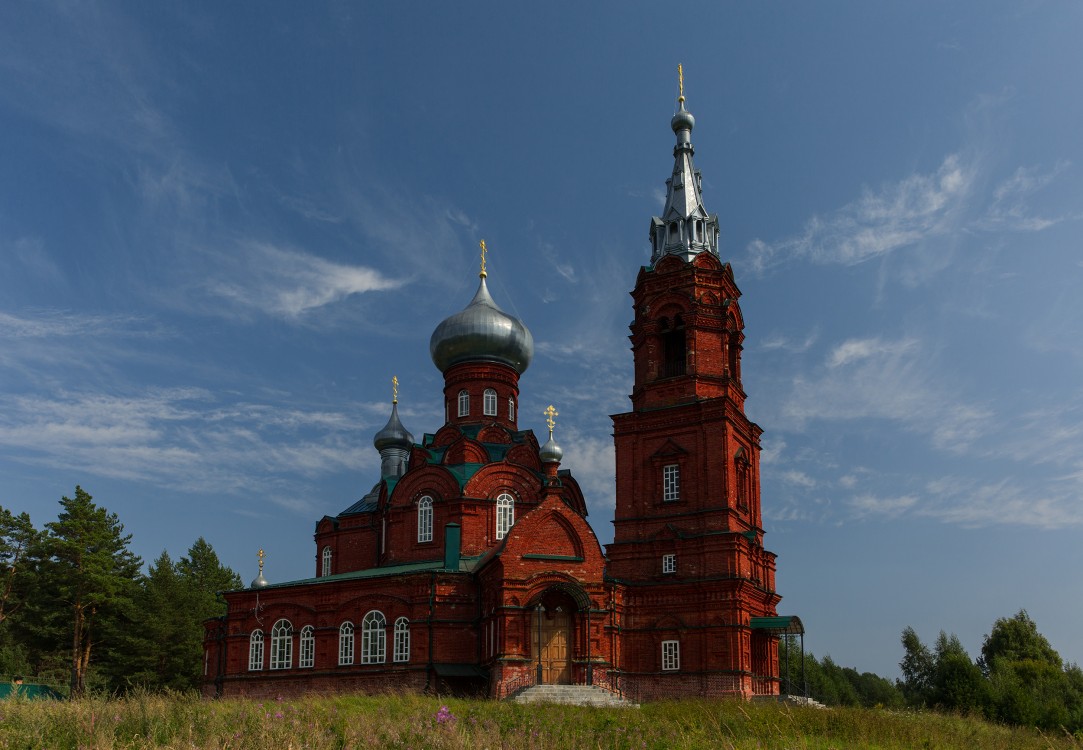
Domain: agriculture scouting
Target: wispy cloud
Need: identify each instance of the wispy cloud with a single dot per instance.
(183, 438)
(288, 283)
(1011, 207)
(865, 506)
(880, 221)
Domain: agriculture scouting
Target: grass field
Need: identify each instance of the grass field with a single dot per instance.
(423, 722)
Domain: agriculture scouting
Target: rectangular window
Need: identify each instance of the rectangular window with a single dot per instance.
(671, 656)
(669, 563)
(402, 642)
(671, 483)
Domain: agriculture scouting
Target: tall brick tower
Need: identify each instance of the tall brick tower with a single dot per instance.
(698, 588)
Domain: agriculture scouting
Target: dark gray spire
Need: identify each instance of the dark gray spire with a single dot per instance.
(394, 441)
(685, 228)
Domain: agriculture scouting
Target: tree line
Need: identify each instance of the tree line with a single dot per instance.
(76, 608)
(1019, 678)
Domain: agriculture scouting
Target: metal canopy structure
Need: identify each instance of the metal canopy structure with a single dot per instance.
(782, 625)
(785, 627)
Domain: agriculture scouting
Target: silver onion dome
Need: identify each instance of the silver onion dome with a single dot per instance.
(551, 453)
(393, 435)
(482, 332)
(260, 582)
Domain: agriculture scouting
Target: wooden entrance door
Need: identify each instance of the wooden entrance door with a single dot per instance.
(556, 638)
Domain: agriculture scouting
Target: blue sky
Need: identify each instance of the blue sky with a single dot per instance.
(224, 227)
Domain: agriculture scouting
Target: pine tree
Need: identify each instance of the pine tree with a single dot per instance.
(92, 573)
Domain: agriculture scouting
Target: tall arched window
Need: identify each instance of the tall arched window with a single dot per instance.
(325, 569)
(345, 643)
(373, 638)
(673, 348)
(402, 639)
(511, 408)
(505, 514)
(308, 647)
(424, 519)
(464, 404)
(282, 645)
(488, 403)
(255, 651)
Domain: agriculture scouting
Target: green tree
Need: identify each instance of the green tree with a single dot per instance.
(17, 538)
(167, 638)
(917, 665)
(957, 683)
(1016, 639)
(92, 573)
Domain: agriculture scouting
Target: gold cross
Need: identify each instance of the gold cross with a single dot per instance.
(260, 560)
(680, 78)
(394, 389)
(483, 251)
(550, 413)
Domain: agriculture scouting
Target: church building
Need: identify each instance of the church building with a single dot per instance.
(471, 567)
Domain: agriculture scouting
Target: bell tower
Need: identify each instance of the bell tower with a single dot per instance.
(688, 539)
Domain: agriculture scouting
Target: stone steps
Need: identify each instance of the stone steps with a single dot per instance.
(577, 695)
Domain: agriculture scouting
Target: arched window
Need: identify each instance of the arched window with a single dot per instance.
(402, 639)
(373, 638)
(424, 519)
(255, 651)
(282, 645)
(488, 404)
(308, 647)
(326, 560)
(674, 232)
(464, 404)
(505, 514)
(511, 408)
(345, 643)
(673, 348)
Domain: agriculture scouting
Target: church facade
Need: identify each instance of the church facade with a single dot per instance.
(471, 567)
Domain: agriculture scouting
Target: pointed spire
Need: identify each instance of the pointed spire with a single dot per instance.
(393, 441)
(685, 228)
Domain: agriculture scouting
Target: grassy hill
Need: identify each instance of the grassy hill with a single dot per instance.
(422, 722)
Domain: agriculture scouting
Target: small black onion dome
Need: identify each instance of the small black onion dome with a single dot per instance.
(683, 120)
(482, 332)
(260, 582)
(393, 435)
(551, 453)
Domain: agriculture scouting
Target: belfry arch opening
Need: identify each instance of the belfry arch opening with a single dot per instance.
(674, 346)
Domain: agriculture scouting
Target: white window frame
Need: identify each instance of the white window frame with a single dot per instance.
(424, 519)
(669, 563)
(325, 559)
(402, 640)
(671, 483)
(282, 645)
(511, 408)
(464, 403)
(488, 403)
(505, 514)
(374, 638)
(307, 656)
(255, 651)
(345, 643)
(671, 656)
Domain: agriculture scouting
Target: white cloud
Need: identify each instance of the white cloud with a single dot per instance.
(779, 341)
(288, 283)
(798, 478)
(854, 350)
(896, 215)
(885, 507)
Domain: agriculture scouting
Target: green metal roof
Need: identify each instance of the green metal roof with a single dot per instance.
(466, 565)
(781, 625)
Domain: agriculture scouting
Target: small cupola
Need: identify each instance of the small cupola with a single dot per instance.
(394, 441)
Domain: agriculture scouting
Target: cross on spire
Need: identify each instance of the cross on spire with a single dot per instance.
(394, 389)
(260, 556)
(483, 251)
(680, 81)
(550, 412)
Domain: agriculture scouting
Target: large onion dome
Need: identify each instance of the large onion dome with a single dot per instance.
(393, 435)
(482, 332)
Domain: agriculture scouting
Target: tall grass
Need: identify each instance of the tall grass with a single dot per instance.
(407, 721)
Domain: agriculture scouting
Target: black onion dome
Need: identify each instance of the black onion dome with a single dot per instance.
(482, 332)
(393, 435)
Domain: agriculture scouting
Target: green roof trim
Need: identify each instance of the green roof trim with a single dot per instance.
(781, 625)
(466, 565)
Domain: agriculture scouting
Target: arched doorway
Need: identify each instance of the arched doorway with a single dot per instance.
(553, 642)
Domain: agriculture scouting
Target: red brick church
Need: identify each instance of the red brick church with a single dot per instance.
(471, 566)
